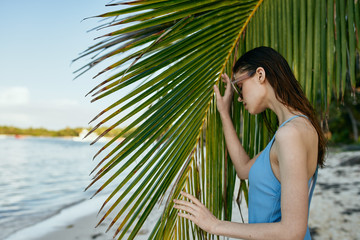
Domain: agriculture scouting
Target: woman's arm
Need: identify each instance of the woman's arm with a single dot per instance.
(292, 156)
(239, 157)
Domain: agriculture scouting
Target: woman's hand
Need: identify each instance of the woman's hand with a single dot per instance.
(196, 212)
(224, 102)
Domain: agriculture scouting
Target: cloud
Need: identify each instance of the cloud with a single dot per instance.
(65, 103)
(14, 96)
(14, 119)
(52, 114)
(19, 110)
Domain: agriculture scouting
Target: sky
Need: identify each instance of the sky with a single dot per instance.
(38, 41)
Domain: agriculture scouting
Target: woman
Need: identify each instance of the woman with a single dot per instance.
(282, 176)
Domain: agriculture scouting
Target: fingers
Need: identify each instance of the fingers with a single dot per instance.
(186, 209)
(190, 208)
(228, 90)
(187, 216)
(195, 211)
(217, 92)
(184, 205)
(225, 78)
(191, 197)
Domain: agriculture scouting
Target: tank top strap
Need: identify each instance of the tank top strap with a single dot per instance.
(313, 182)
(273, 138)
(300, 115)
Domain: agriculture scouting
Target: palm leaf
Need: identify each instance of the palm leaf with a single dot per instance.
(172, 53)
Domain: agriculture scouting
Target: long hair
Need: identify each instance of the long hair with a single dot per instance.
(287, 89)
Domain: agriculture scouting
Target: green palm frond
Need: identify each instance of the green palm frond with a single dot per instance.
(174, 52)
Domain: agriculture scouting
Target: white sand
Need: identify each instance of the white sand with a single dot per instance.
(335, 208)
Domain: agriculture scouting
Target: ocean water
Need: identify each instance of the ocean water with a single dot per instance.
(41, 176)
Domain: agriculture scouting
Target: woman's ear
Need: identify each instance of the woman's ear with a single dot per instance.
(261, 74)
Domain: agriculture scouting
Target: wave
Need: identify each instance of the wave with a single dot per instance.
(64, 216)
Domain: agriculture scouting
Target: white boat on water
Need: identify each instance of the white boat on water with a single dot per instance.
(90, 138)
(2, 136)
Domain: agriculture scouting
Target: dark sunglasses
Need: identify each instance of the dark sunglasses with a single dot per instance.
(237, 89)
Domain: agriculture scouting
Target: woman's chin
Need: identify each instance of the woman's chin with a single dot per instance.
(252, 111)
(246, 107)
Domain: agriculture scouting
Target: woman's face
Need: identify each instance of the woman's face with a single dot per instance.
(253, 90)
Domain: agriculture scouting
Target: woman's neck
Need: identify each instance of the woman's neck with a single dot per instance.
(282, 112)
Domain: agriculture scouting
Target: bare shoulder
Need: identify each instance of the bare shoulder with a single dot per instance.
(295, 148)
(297, 143)
(299, 130)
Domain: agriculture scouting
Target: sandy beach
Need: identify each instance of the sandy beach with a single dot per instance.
(334, 213)
(335, 207)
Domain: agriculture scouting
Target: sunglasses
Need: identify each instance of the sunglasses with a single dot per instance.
(237, 89)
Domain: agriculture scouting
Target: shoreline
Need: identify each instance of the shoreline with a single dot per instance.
(64, 217)
(77, 222)
(89, 139)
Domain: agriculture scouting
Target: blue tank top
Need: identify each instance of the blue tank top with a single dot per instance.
(265, 189)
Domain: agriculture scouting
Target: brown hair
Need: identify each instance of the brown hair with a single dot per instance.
(287, 89)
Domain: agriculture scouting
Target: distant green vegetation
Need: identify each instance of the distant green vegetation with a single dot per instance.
(344, 122)
(66, 132)
(40, 131)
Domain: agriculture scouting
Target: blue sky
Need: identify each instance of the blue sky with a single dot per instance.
(39, 39)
